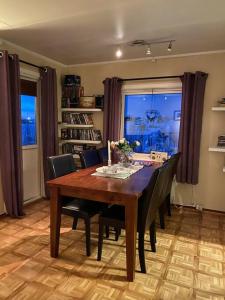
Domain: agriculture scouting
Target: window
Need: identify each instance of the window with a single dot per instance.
(28, 114)
(153, 120)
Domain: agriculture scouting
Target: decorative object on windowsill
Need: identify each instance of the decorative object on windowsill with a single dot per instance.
(221, 102)
(124, 150)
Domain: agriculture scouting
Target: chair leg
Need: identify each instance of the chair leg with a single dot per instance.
(168, 205)
(75, 220)
(100, 239)
(141, 252)
(107, 231)
(117, 233)
(153, 236)
(88, 236)
(161, 218)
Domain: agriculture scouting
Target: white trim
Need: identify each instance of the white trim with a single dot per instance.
(33, 53)
(153, 58)
(159, 87)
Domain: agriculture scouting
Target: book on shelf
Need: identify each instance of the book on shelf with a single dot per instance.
(80, 134)
(77, 118)
(221, 141)
(75, 149)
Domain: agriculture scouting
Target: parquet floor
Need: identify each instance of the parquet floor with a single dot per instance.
(189, 262)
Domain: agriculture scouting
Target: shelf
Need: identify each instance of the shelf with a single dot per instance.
(82, 109)
(218, 108)
(76, 125)
(217, 149)
(80, 142)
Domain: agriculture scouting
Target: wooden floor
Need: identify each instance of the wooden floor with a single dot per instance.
(189, 263)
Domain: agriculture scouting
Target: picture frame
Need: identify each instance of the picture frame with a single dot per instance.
(177, 115)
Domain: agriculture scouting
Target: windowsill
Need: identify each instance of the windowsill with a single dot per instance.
(28, 147)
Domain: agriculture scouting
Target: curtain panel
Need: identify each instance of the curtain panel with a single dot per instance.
(48, 118)
(112, 109)
(193, 90)
(10, 132)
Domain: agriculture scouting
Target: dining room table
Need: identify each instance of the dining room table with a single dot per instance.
(82, 184)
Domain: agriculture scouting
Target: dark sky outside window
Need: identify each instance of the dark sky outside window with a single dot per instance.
(153, 120)
(28, 115)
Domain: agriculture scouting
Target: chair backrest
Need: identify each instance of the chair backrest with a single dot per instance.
(172, 164)
(103, 154)
(61, 165)
(89, 158)
(152, 198)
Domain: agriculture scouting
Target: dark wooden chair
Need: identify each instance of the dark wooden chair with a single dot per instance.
(147, 209)
(166, 205)
(89, 158)
(77, 208)
(103, 155)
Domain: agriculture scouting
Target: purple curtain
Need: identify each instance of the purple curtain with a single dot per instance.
(193, 89)
(10, 132)
(112, 109)
(48, 118)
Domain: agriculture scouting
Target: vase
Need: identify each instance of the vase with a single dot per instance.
(123, 158)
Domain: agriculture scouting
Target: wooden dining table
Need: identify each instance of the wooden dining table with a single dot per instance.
(83, 185)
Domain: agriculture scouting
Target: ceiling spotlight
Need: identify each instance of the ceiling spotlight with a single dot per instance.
(148, 51)
(169, 49)
(119, 53)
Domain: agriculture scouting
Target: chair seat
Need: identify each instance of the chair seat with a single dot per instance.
(80, 206)
(115, 212)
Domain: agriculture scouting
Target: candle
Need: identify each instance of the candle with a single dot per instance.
(109, 154)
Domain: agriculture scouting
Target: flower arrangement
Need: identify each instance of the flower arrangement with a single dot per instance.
(124, 149)
(125, 146)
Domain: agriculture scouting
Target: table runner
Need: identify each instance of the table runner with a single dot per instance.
(131, 170)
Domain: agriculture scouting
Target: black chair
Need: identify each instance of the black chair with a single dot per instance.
(77, 208)
(89, 158)
(147, 209)
(103, 155)
(166, 205)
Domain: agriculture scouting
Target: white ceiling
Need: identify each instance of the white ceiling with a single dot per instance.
(84, 31)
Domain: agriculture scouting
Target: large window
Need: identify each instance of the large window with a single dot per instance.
(28, 114)
(153, 120)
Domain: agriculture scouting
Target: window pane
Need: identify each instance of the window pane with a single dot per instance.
(153, 120)
(28, 114)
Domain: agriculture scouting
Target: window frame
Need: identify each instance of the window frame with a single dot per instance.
(32, 76)
(159, 87)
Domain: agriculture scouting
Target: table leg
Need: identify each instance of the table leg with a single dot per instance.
(131, 232)
(55, 221)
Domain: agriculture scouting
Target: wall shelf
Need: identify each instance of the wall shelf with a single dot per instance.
(82, 109)
(65, 125)
(80, 142)
(218, 108)
(217, 149)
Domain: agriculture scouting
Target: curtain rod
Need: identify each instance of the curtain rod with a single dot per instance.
(32, 65)
(150, 78)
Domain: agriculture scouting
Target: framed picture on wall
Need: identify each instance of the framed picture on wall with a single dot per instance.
(176, 115)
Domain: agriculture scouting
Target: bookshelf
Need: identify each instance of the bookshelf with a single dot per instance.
(77, 131)
(218, 148)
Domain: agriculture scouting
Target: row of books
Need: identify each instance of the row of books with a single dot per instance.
(222, 102)
(75, 149)
(81, 134)
(77, 118)
(221, 141)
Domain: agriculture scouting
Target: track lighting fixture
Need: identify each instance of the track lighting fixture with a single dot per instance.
(119, 53)
(169, 49)
(149, 44)
(148, 50)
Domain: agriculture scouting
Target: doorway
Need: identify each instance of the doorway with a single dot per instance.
(30, 140)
